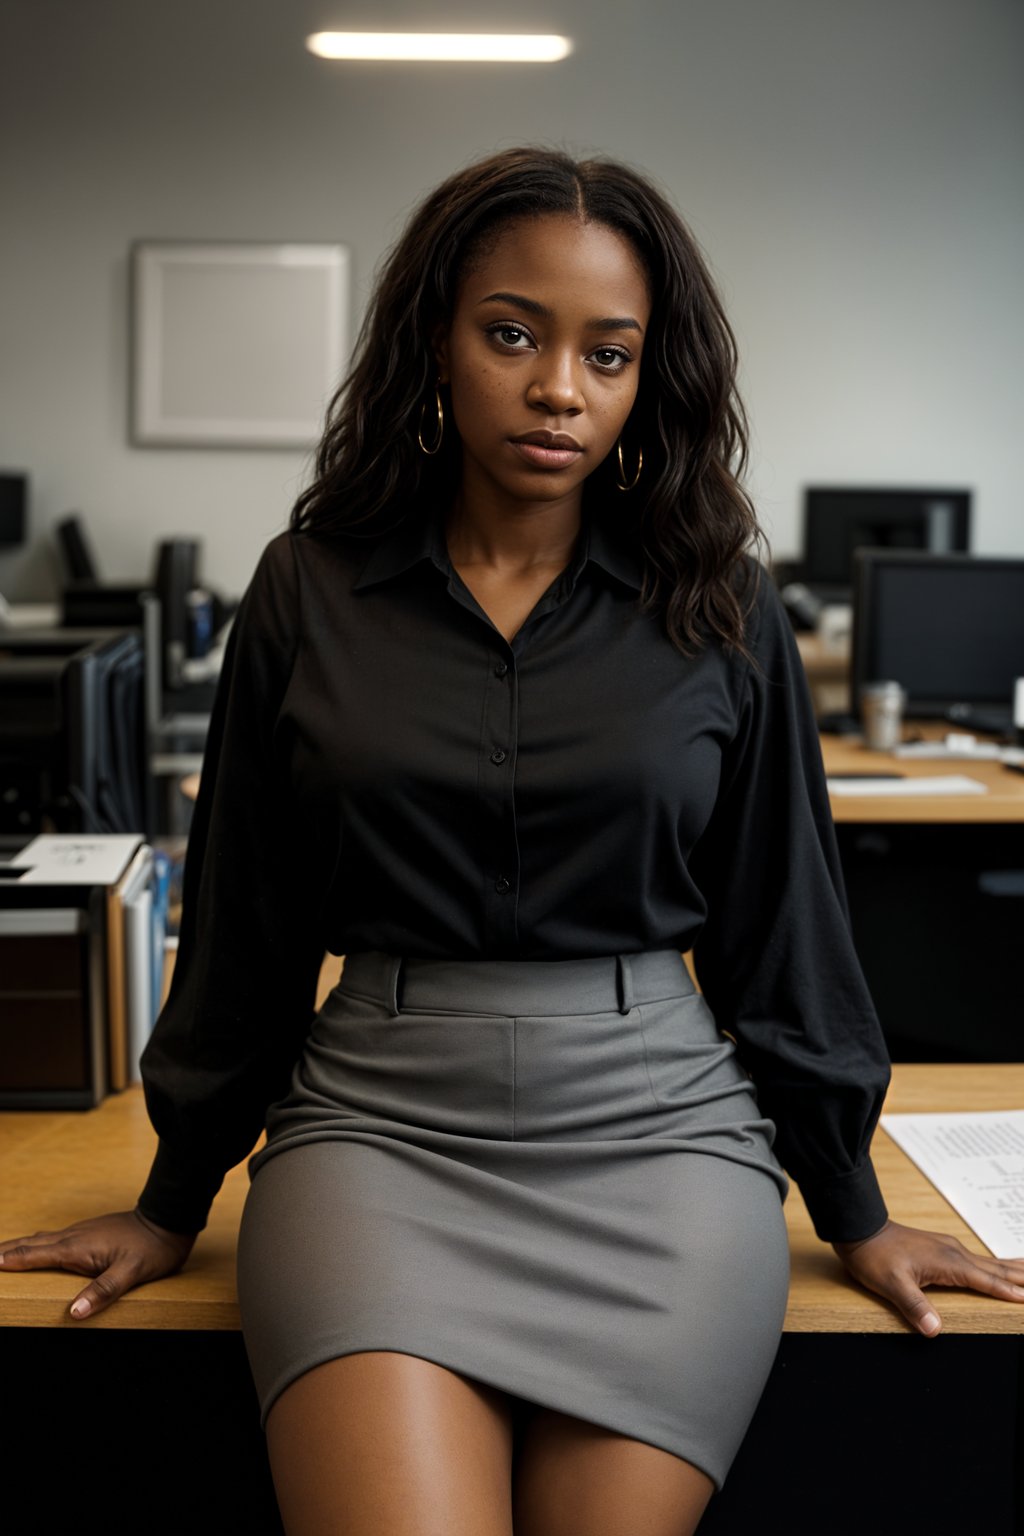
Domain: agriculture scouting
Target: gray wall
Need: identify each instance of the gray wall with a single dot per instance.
(854, 171)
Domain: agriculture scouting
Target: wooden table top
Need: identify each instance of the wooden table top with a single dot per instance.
(1004, 801)
(56, 1168)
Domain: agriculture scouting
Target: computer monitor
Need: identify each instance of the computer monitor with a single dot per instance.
(841, 519)
(948, 628)
(72, 732)
(13, 507)
(177, 572)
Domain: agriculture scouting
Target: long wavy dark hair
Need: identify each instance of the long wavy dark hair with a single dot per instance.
(690, 517)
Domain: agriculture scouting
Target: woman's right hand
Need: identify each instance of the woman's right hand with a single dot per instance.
(120, 1251)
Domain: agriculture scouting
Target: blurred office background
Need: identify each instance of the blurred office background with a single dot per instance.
(855, 172)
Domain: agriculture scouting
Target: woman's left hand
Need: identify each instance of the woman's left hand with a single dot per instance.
(897, 1261)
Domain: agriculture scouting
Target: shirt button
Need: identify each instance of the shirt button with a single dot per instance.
(497, 756)
(500, 668)
(502, 885)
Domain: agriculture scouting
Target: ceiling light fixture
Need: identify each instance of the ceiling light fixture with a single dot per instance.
(438, 47)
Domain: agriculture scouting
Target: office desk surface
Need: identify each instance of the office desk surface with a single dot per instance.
(60, 1168)
(1004, 801)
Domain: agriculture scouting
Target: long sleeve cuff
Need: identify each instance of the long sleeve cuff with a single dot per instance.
(848, 1207)
(176, 1195)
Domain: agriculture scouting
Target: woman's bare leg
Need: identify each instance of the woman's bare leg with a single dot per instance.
(573, 1478)
(385, 1444)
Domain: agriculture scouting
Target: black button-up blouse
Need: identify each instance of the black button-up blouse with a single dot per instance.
(385, 771)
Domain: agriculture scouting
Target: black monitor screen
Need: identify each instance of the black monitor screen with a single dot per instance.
(949, 629)
(13, 501)
(838, 521)
(72, 751)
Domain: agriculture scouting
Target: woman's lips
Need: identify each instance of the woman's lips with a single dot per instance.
(545, 456)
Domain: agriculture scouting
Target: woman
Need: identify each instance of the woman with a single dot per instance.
(509, 719)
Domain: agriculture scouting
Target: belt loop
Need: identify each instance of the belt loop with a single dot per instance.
(624, 976)
(394, 976)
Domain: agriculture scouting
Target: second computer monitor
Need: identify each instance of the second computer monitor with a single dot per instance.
(948, 628)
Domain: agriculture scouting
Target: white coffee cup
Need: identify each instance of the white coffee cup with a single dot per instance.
(881, 711)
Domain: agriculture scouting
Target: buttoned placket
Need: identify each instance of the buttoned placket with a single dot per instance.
(496, 762)
(499, 740)
(496, 758)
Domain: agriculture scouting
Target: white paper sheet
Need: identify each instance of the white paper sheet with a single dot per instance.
(976, 1161)
(964, 747)
(66, 858)
(943, 784)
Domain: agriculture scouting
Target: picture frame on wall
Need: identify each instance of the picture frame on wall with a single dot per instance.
(236, 344)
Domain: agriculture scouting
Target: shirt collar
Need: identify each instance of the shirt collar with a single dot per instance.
(415, 538)
(419, 538)
(609, 549)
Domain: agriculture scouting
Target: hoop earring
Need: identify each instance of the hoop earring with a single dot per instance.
(621, 482)
(440, 425)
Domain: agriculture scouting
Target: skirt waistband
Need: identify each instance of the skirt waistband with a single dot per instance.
(597, 984)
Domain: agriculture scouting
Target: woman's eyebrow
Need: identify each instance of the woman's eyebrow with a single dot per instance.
(612, 323)
(532, 307)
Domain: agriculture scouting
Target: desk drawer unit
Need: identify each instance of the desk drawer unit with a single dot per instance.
(52, 1007)
(938, 920)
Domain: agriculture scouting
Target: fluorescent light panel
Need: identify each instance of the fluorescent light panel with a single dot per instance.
(464, 47)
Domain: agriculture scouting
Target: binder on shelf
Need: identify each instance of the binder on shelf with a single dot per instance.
(117, 1005)
(129, 967)
(161, 903)
(139, 967)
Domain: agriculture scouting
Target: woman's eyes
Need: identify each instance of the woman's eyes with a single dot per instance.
(510, 335)
(516, 338)
(611, 359)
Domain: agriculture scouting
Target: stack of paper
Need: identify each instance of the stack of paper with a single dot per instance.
(939, 784)
(977, 1162)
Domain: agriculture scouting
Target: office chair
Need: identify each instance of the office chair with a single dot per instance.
(75, 549)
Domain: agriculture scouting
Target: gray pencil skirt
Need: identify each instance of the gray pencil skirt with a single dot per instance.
(550, 1176)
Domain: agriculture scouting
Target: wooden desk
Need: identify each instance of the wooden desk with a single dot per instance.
(1003, 803)
(861, 1417)
(189, 786)
(59, 1168)
(936, 893)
